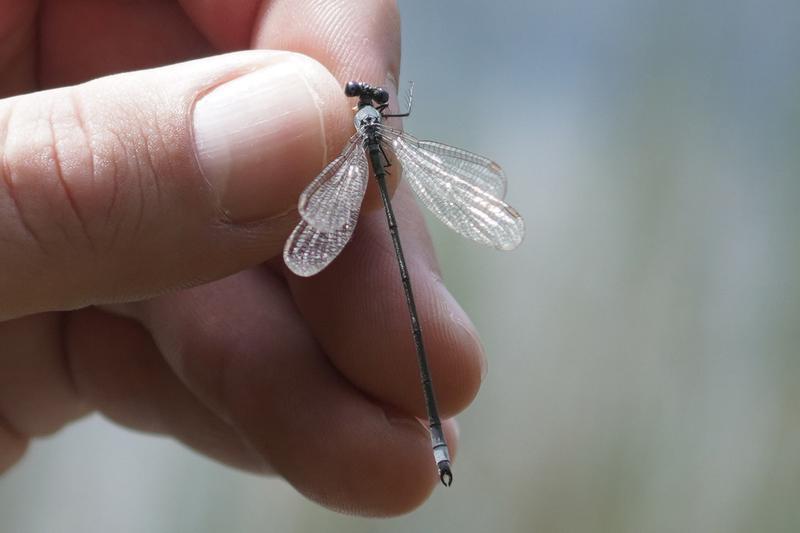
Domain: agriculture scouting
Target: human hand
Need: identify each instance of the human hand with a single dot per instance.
(117, 192)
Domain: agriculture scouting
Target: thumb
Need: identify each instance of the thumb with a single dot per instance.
(130, 185)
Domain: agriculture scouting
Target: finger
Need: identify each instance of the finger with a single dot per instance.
(37, 394)
(48, 380)
(17, 50)
(114, 37)
(259, 367)
(136, 388)
(357, 311)
(228, 26)
(141, 182)
(12, 446)
(355, 39)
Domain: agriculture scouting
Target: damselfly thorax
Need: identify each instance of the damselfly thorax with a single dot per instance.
(365, 117)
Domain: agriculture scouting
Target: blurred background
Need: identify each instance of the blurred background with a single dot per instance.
(643, 341)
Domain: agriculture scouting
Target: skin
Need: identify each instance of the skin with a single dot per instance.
(312, 379)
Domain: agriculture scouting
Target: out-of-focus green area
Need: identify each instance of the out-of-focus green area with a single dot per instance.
(644, 341)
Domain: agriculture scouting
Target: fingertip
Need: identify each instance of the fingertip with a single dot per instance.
(396, 476)
(358, 39)
(452, 430)
(12, 446)
(458, 357)
(403, 473)
(262, 136)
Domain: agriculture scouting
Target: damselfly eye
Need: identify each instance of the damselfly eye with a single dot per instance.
(381, 96)
(353, 88)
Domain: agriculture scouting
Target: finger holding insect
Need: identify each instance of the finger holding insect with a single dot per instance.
(334, 33)
(261, 370)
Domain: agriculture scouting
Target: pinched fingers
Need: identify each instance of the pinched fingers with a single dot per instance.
(241, 347)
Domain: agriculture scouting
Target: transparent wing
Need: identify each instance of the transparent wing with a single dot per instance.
(475, 169)
(328, 201)
(454, 196)
(308, 249)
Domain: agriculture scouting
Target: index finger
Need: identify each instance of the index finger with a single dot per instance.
(352, 38)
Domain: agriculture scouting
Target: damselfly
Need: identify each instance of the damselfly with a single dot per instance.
(463, 190)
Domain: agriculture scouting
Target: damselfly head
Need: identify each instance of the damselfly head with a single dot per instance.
(353, 88)
(366, 93)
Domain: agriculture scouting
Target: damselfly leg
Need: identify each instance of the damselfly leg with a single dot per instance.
(409, 104)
